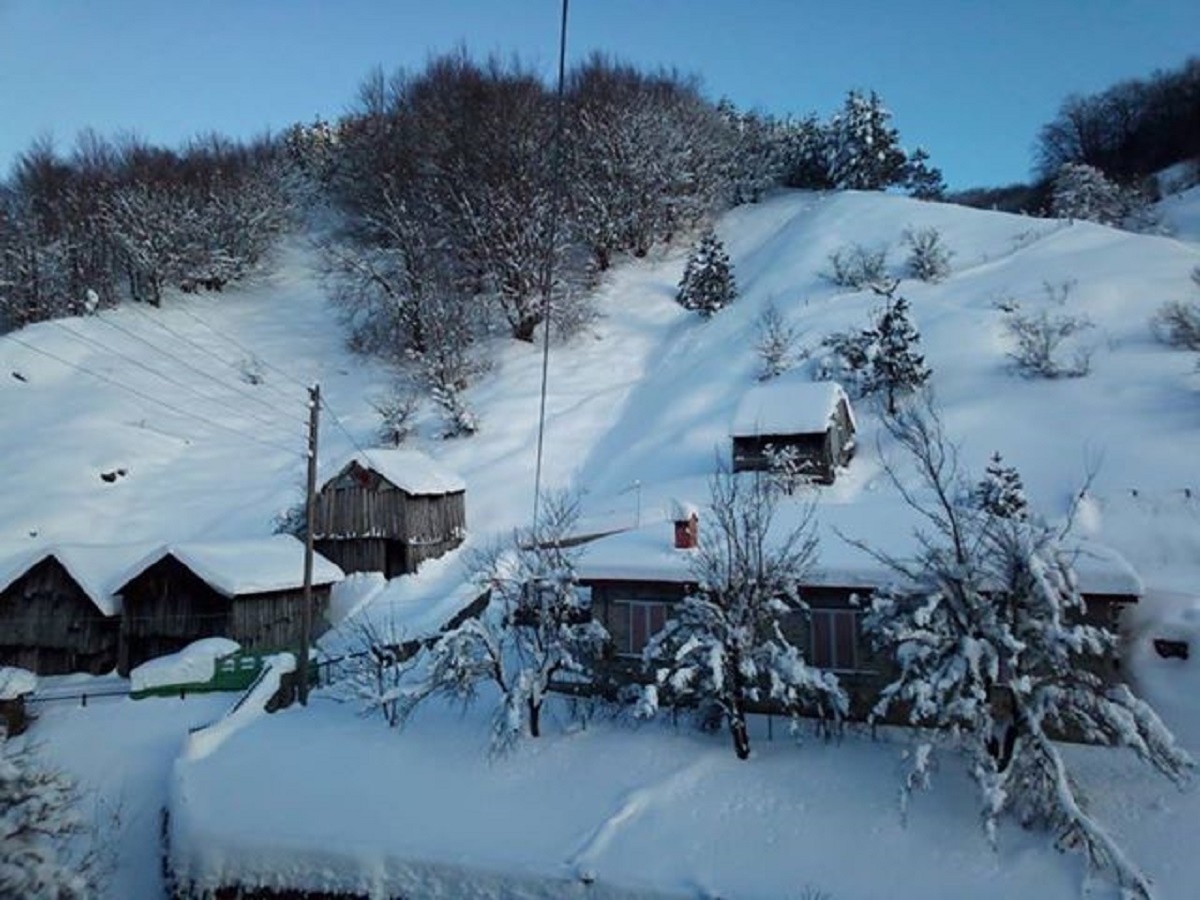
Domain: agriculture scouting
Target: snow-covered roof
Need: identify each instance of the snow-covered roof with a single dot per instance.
(410, 470)
(887, 527)
(641, 554)
(96, 568)
(239, 567)
(788, 406)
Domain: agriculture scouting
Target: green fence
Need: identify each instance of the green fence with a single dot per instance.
(235, 672)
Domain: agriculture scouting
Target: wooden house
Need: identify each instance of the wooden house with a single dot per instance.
(388, 511)
(636, 578)
(57, 611)
(805, 428)
(250, 591)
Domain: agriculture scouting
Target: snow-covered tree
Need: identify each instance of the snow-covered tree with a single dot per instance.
(535, 631)
(806, 154)
(921, 179)
(41, 831)
(1000, 492)
(865, 148)
(776, 345)
(895, 365)
(725, 645)
(1081, 191)
(708, 284)
(995, 658)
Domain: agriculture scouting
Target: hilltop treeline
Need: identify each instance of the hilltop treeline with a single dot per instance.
(444, 182)
(124, 219)
(1115, 139)
(1130, 130)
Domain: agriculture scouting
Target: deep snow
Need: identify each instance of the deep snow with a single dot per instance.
(639, 410)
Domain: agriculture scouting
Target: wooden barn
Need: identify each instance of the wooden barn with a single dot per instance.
(57, 612)
(250, 591)
(388, 511)
(803, 427)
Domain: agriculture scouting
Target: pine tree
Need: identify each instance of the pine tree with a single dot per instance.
(1000, 491)
(38, 828)
(921, 179)
(996, 657)
(866, 152)
(895, 365)
(724, 647)
(707, 285)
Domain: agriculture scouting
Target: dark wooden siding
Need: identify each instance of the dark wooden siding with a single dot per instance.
(168, 606)
(819, 452)
(364, 523)
(50, 626)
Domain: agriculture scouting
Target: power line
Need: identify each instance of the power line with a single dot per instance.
(202, 349)
(151, 399)
(300, 384)
(100, 345)
(201, 372)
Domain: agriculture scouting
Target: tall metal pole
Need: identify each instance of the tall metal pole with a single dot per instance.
(548, 266)
(306, 613)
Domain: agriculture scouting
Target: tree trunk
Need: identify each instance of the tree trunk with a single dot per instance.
(535, 718)
(738, 730)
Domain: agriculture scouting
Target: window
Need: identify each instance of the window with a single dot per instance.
(635, 622)
(834, 639)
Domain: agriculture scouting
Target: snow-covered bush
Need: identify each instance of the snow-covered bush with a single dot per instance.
(777, 343)
(857, 267)
(724, 646)
(375, 667)
(1046, 344)
(995, 657)
(396, 411)
(535, 631)
(44, 843)
(707, 285)
(844, 357)
(928, 258)
(1177, 324)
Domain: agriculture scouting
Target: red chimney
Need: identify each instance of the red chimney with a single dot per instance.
(687, 526)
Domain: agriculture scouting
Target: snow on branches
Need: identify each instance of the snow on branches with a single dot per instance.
(725, 646)
(707, 285)
(39, 827)
(995, 655)
(535, 631)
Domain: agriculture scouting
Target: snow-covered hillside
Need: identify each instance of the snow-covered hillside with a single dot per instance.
(639, 408)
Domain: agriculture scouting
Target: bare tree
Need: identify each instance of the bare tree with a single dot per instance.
(726, 645)
(535, 632)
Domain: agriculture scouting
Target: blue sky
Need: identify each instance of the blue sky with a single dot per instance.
(971, 80)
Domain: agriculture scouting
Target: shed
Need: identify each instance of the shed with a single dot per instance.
(388, 511)
(57, 610)
(249, 590)
(804, 425)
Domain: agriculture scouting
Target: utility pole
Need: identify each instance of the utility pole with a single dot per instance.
(306, 614)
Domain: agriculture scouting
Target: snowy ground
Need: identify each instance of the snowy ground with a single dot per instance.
(638, 409)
